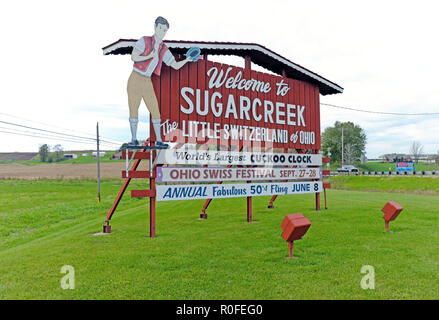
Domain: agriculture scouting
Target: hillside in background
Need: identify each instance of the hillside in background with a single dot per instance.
(17, 156)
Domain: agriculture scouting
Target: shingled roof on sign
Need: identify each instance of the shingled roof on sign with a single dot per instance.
(259, 55)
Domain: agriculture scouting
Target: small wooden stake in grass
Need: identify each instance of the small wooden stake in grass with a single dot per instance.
(290, 246)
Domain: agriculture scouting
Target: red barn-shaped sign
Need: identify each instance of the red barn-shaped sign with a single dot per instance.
(220, 104)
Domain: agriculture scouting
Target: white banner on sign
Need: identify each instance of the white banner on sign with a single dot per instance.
(210, 174)
(215, 191)
(203, 157)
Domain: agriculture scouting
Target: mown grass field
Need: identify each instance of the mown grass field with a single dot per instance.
(45, 224)
(414, 185)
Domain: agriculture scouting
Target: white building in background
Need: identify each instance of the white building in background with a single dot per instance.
(70, 156)
(101, 153)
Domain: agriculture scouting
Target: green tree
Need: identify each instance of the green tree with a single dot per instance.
(416, 150)
(354, 141)
(59, 152)
(44, 152)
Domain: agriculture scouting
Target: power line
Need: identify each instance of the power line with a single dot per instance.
(379, 112)
(51, 137)
(58, 133)
(37, 136)
(49, 125)
(45, 135)
(33, 135)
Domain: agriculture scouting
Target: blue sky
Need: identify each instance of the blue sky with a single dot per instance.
(383, 53)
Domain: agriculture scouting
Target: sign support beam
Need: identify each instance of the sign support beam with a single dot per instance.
(152, 199)
(317, 194)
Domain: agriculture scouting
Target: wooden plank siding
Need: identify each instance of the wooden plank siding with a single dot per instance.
(194, 75)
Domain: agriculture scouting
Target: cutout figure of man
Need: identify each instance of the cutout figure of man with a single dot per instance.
(148, 55)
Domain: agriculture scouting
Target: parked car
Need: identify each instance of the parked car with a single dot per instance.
(347, 168)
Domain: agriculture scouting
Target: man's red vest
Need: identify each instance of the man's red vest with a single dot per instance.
(149, 45)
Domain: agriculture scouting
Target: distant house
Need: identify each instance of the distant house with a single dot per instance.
(70, 156)
(429, 158)
(117, 156)
(394, 157)
(84, 154)
(101, 153)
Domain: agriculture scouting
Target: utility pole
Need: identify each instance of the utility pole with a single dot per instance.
(99, 163)
(342, 148)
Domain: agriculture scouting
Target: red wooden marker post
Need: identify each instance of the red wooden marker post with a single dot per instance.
(326, 174)
(294, 227)
(326, 185)
(391, 211)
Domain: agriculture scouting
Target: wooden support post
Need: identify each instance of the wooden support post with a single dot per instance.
(152, 212)
(249, 209)
(317, 201)
(203, 214)
(290, 247)
(152, 199)
(270, 204)
(249, 200)
(318, 193)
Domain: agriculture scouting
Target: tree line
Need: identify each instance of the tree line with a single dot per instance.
(354, 144)
(46, 155)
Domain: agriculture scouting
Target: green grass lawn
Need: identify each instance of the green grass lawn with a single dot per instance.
(416, 185)
(46, 224)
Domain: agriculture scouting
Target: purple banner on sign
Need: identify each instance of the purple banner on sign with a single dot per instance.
(159, 174)
(217, 174)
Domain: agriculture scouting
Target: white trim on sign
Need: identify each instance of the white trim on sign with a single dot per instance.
(187, 45)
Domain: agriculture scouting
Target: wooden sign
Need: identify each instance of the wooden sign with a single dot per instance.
(215, 191)
(208, 102)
